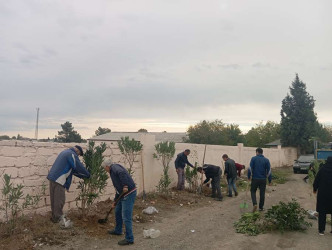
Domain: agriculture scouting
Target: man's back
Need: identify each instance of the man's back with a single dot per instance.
(259, 167)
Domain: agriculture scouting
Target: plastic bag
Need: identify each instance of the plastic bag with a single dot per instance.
(312, 214)
(151, 233)
(150, 210)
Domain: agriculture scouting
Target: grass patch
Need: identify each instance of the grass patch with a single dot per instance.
(280, 175)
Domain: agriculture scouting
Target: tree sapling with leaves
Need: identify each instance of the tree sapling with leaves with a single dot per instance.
(165, 152)
(91, 188)
(130, 149)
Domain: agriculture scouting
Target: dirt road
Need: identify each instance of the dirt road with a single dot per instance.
(213, 225)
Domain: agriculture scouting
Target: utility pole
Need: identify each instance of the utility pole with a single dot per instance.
(36, 131)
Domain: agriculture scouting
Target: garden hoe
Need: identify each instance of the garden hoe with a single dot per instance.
(103, 221)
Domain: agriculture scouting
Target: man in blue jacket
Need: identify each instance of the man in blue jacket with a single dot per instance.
(125, 186)
(259, 170)
(65, 166)
(180, 163)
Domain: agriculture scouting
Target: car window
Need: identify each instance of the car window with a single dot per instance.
(306, 158)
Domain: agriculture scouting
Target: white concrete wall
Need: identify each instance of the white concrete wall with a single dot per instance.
(28, 163)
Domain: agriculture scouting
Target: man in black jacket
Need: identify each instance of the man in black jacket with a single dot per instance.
(123, 184)
(230, 173)
(180, 164)
(323, 185)
(214, 173)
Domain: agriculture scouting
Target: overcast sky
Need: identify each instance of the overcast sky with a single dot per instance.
(158, 64)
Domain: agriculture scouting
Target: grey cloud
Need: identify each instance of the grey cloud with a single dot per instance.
(162, 60)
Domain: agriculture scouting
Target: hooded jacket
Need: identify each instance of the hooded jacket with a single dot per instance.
(323, 185)
(65, 166)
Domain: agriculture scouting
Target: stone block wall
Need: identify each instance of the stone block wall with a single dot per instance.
(28, 163)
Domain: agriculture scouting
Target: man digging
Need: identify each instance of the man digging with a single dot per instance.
(124, 186)
(214, 173)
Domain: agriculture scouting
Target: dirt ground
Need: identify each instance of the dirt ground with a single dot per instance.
(199, 223)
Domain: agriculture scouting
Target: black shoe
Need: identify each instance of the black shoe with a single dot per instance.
(230, 195)
(213, 196)
(112, 232)
(236, 193)
(321, 233)
(218, 199)
(124, 242)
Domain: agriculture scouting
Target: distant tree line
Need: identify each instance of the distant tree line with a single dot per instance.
(298, 127)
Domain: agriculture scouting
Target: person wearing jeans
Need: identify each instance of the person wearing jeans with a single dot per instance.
(230, 172)
(258, 171)
(124, 214)
(124, 186)
(180, 163)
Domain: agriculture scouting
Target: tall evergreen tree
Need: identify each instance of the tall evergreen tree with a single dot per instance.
(68, 134)
(298, 119)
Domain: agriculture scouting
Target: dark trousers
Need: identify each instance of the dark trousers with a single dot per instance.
(58, 198)
(216, 185)
(322, 221)
(261, 184)
(181, 178)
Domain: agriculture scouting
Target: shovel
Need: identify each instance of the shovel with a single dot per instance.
(103, 221)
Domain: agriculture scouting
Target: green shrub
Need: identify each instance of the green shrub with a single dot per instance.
(191, 178)
(287, 217)
(130, 149)
(91, 188)
(164, 152)
(282, 217)
(14, 202)
(250, 223)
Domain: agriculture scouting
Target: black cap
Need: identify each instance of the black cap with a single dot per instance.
(80, 149)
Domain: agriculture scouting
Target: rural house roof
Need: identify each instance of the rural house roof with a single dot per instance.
(160, 136)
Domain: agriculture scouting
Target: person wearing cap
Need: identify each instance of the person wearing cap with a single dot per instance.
(123, 201)
(60, 175)
(180, 163)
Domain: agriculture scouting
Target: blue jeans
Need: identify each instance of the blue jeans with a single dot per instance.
(124, 214)
(231, 185)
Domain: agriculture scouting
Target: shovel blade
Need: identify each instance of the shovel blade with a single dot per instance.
(102, 221)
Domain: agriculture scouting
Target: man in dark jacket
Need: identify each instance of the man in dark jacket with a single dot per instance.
(214, 173)
(123, 184)
(323, 185)
(65, 166)
(180, 163)
(230, 173)
(259, 170)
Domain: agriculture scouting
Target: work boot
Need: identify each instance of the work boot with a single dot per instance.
(112, 232)
(124, 242)
(254, 209)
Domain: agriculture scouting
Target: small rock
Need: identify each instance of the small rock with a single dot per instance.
(181, 205)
